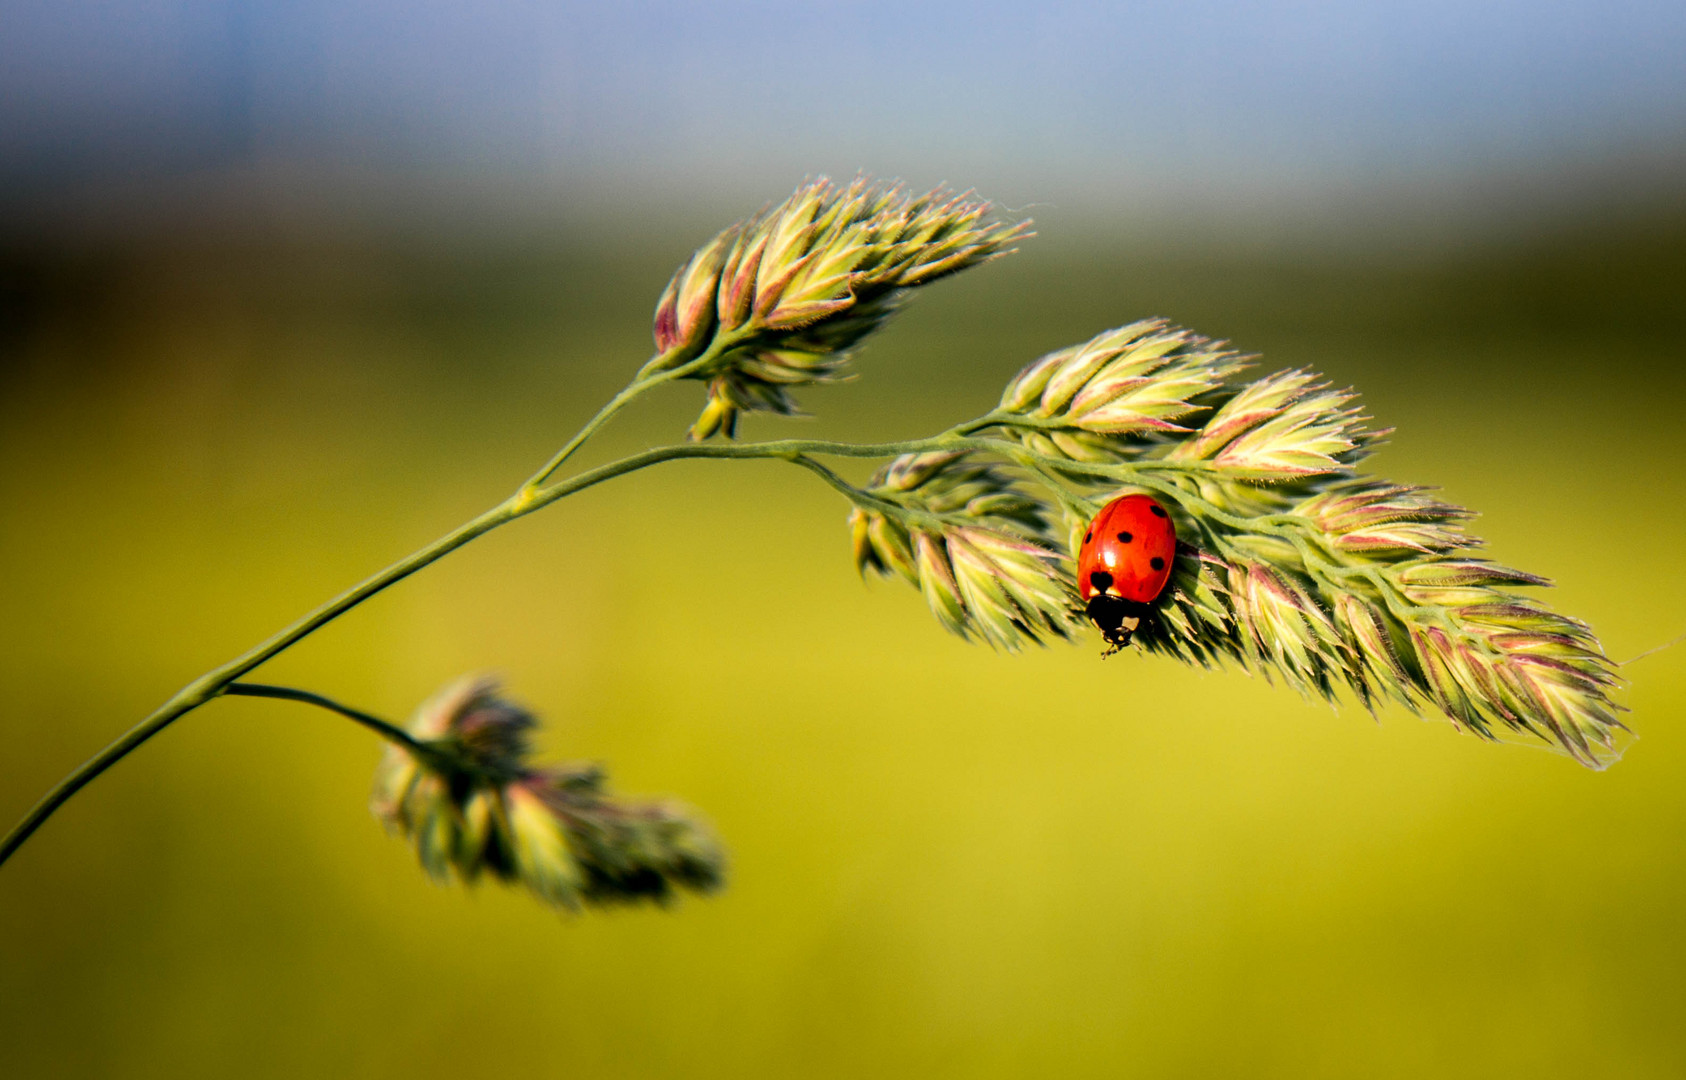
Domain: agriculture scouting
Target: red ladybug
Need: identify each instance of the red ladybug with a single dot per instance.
(1124, 564)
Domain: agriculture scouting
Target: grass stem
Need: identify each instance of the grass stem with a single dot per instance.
(389, 731)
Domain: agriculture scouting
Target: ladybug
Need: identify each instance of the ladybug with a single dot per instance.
(1123, 565)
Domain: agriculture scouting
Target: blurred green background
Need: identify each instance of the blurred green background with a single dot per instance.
(290, 287)
(944, 861)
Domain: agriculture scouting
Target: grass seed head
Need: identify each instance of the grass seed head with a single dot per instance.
(1291, 562)
(474, 804)
(787, 294)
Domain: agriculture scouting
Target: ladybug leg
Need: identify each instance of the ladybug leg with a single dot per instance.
(1118, 639)
(1116, 619)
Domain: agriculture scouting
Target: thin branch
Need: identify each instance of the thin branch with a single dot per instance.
(522, 503)
(387, 730)
(641, 384)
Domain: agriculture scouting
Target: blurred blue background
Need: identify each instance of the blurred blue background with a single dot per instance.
(288, 289)
(1457, 111)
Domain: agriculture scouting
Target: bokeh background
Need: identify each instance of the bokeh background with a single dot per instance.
(289, 288)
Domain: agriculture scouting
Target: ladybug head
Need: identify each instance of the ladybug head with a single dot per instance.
(1116, 619)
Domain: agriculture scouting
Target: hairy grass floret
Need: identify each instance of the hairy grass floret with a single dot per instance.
(1102, 400)
(974, 542)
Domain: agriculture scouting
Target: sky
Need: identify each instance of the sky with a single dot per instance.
(1168, 103)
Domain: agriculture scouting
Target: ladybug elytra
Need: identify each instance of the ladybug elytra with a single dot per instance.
(1123, 565)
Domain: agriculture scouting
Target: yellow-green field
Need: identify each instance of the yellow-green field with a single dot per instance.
(944, 861)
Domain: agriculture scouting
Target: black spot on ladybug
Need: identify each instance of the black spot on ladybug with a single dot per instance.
(1125, 538)
(1158, 511)
(1101, 580)
(1157, 563)
(1086, 537)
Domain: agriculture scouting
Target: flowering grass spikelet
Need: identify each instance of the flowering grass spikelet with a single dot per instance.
(1283, 628)
(1283, 426)
(1138, 379)
(778, 301)
(967, 535)
(1193, 613)
(1368, 516)
(472, 804)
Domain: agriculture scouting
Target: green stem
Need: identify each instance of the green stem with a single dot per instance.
(1289, 527)
(525, 501)
(1072, 501)
(615, 405)
(866, 500)
(215, 682)
(389, 731)
(650, 376)
(840, 485)
(536, 494)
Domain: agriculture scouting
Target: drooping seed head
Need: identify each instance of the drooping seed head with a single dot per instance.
(472, 804)
(476, 735)
(1292, 563)
(615, 852)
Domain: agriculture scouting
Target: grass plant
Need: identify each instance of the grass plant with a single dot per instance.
(1292, 562)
